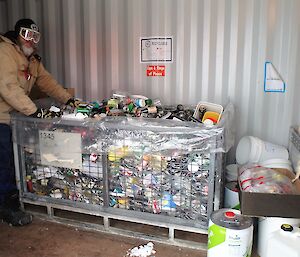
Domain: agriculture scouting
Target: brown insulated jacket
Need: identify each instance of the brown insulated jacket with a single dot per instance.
(15, 85)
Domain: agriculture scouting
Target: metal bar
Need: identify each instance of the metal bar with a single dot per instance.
(17, 167)
(211, 180)
(106, 223)
(126, 233)
(105, 180)
(125, 217)
(50, 211)
(171, 233)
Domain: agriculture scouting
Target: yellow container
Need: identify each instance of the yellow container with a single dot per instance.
(213, 110)
(214, 116)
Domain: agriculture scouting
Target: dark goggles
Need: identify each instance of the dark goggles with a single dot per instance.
(29, 34)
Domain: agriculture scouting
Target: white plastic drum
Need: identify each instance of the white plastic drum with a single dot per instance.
(230, 234)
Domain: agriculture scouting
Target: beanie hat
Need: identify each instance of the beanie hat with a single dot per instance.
(26, 23)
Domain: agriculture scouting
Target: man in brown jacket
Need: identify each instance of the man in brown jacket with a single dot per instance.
(20, 70)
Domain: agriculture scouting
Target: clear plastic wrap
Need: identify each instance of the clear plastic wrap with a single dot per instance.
(149, 165)
(253, 178)
(294, 149)
(97, 134)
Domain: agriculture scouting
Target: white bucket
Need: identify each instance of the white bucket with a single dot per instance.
(231, 198)
(284, 242)
(266, 226)
(231, 172)
(254, 150)
(277, 163)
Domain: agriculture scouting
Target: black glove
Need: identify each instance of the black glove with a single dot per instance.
(45, 114)
(74, 102)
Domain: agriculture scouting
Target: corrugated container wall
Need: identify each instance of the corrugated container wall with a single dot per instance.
(219, 51)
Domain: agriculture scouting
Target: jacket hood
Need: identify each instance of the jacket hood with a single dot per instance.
(9, 37)
(12, 35)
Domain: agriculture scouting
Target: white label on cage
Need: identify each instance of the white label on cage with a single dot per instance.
(60, 149)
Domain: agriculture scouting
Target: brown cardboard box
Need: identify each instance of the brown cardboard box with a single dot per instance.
(271, 205)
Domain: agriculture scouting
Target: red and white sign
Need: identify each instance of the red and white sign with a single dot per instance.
(156, 70)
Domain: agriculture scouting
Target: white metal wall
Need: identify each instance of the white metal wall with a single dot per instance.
(220, 47)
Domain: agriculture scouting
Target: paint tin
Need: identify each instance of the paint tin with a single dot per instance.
(230, 234)
(231, 199)
(140, 102)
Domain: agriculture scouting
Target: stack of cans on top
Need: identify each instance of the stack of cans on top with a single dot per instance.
(135, 106)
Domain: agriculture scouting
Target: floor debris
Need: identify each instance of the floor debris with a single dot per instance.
(146, 250)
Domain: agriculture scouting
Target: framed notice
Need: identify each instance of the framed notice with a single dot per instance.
(156, 49)
(60, 149)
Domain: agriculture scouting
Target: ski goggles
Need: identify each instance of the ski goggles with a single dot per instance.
(30, 34)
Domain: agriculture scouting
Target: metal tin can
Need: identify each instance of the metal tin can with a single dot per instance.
(230, 234)
(140, 102)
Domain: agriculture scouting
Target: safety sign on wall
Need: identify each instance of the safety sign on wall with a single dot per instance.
(156, 70)
(156, 49)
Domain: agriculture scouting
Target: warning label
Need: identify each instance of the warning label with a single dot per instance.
(156, 70)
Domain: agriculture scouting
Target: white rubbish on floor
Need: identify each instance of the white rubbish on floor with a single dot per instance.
(142, 251)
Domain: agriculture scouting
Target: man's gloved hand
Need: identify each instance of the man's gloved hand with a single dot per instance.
(45, 114)
(74, 102)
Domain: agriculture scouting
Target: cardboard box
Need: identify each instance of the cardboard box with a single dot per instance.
(271, 205)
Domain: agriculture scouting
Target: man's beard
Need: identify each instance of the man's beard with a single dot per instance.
(27, 50)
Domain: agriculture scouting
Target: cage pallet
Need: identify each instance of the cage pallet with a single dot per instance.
(135, 225)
